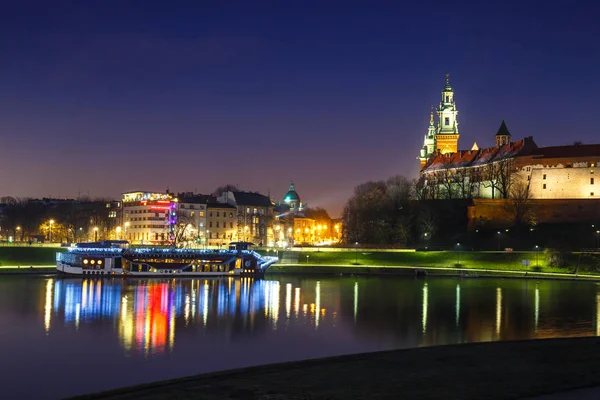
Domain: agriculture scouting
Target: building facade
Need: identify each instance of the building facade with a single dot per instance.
(556, 172)
(222, 224)
(148, 217)
(255, 216)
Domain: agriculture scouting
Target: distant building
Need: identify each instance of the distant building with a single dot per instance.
(255, 216)
(148, 217)
(222, 224)
(192, 211)
(556, 172)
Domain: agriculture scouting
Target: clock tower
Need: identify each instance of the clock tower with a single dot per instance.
(447, 130)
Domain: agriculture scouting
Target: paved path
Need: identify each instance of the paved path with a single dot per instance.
(577, 394)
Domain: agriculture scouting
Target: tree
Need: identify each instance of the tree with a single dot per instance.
(519, 205)
(225, 188)
(183, 230)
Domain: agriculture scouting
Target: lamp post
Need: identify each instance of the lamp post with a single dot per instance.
(458, 253)
(597, 239)
(498, 240)
(95, 234)
(307, 258)
(50, 235)
(17, 229)
(356, 254)
(536, 254)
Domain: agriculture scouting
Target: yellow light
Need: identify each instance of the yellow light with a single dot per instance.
(95, 229)
(51, 221)
(118, 229)
(99, 262)
(92, 262)
(85, 261)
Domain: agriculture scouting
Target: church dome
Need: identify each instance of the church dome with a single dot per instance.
(291, 195)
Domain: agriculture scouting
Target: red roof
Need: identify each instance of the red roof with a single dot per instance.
(572, 151)
(474, 158)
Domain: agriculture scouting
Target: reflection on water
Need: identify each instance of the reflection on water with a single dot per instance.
(159, 329)
(146, 311)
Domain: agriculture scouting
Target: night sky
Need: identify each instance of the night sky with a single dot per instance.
(105, 97)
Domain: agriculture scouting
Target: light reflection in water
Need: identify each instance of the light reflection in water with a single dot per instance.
(146, 314)
(498, 310)
(317, 303)
(424, 308)
(48, 304)
(355, 300)
(457, 306)
(536, 306)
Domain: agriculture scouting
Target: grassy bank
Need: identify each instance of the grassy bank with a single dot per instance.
(507, 261)
(28, 256)
(497, 370)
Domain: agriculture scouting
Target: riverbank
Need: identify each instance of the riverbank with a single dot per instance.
(364, 270)
(498, 370)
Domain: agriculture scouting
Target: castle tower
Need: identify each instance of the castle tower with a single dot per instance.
(503, 135)
(447, 132)
(429, 142)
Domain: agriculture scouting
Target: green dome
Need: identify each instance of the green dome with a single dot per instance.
(291, 195)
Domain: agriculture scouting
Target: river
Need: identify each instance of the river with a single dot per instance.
(62, 337)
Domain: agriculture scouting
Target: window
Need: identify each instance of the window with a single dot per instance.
(592, 194)
(210, 223)
(201, 224)
(230, 215)
(217, 224)
(447, 99)
(231, 224)
(192, 214)
(218, 214)
(544, 186)
(544, 177)
(446, 121)
(591, 181)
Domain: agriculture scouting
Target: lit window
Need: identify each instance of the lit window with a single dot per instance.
(202, 213)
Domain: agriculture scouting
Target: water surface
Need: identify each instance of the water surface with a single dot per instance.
(62, 337)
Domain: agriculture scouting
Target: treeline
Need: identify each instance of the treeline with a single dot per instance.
(26, 219)
(386, 213)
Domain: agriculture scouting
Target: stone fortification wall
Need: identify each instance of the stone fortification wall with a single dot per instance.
(497, 213)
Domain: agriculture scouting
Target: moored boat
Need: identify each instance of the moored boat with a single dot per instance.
(116, 258)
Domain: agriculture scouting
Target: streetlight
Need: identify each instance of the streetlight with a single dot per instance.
(458, 253)
(356, 254)
(498, 240)
(597, 239)
(50, 236)
(95, 234)
(118, 229)
(18, 228)
(307, 258)
(536, 254)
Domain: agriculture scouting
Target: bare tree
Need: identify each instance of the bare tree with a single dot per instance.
(519, 206)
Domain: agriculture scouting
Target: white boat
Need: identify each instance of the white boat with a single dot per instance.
(116, 258)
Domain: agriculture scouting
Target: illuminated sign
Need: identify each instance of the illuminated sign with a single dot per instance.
(145, 196)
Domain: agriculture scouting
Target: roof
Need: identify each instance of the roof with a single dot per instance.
(214, 204)
(291, 195)
(575, 150)
(475, 158)
(503, 130)
(197, 199)
(252, 199)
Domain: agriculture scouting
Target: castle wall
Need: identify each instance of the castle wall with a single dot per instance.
(497, 212)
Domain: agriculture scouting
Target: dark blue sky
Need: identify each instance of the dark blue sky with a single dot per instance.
(111, 96)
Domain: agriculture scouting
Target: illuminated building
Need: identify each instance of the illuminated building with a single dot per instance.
(222, 224)
(192, 210)
(148, 217)
(545, 173)
(255, 216)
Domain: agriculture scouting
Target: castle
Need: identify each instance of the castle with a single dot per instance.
(556, 172)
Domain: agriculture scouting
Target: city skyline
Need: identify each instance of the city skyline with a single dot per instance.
(107, 98)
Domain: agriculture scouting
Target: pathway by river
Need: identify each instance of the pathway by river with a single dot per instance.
(74, 336)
